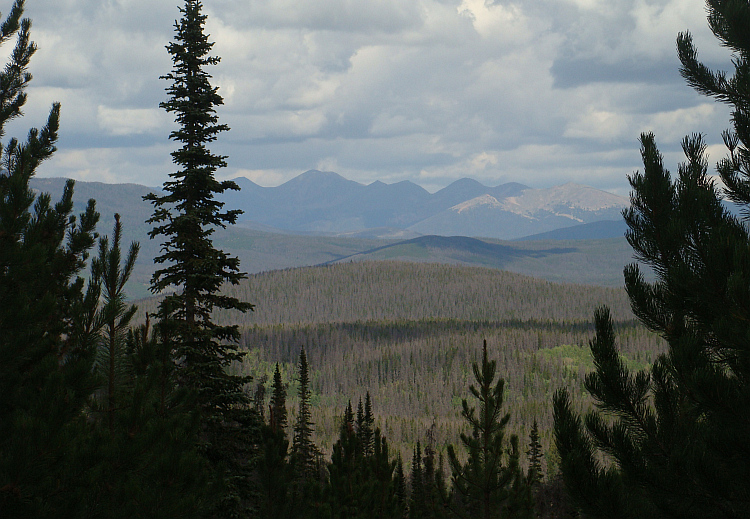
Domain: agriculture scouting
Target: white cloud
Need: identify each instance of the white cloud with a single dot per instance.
(535, 91)
(129, 121)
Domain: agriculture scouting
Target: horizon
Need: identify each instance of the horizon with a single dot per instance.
(352, 180)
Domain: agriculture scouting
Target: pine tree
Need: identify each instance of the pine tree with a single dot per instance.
(676, 434)
(534, 454)
(186, 217)
(147, 460)
(483, 486)
(111, 360)
(47, 336)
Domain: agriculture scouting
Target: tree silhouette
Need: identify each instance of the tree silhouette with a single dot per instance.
(193, 270)
(484, 486)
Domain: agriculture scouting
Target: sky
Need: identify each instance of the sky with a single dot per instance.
(541, 92)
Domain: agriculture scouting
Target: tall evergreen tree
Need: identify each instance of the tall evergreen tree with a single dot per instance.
(304, 452)
(278, 415)
(345, 470)
(534, 454)
(193, 270)
(47, 335)
(677, 433)
(187, 216)
(365, 423)
(144, 460)
(400, 484)
(273, 467)
(484, 486)
(418, 497)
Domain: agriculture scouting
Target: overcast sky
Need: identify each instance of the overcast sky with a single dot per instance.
(541, 92)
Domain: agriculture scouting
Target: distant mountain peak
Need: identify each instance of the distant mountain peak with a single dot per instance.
(316, 176)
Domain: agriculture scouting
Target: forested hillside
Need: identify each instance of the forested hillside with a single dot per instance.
(418, 371)
(408, 333)
(396, 291)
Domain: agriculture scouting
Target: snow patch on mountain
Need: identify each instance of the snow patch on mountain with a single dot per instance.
(474, 203)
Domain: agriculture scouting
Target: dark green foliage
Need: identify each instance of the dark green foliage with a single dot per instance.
(345, 469)
(433, 479)
(277, 413)
(418, 498)
(381, 501)
(534, 454)
(678, 443)
(274, 471)
(486, 485)
(186, 217)
(399, 482)
(675, 436)
(365, 421)
(551, 501)
(304, 452)
(362, 485)
(259, 398)
(47, 334)
(115, 316)
(147, 460)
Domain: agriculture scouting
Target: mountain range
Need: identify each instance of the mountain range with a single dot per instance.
(283, 227)
(326, 203)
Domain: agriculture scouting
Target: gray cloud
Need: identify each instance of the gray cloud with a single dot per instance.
(535, 91)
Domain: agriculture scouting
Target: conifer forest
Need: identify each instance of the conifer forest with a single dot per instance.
(368, 389)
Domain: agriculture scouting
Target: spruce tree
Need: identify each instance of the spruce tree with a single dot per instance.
(186, 217)
(304, 452)
(535, 457)
(418, 498)
(193, 270)
(277, 413)
(273, 468)
(399, 482)
(486, 486)
(365, 422)
(676, 434)
(346, 470)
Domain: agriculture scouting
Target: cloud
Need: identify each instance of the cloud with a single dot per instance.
(535, 91)
(129, 121)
